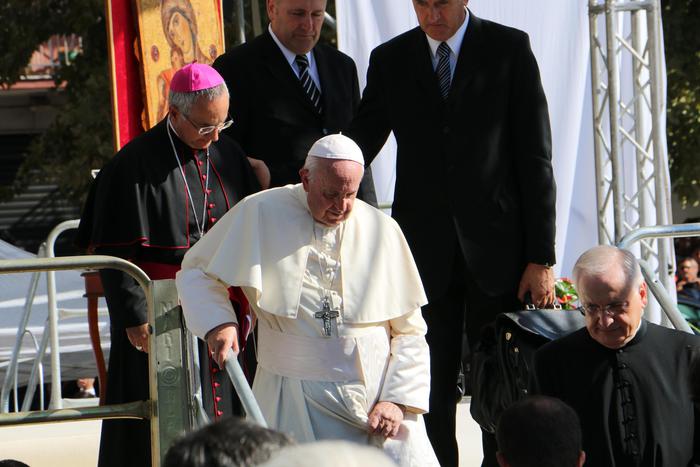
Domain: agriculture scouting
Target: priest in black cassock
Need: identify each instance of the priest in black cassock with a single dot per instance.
(626, 378)
(149, 205)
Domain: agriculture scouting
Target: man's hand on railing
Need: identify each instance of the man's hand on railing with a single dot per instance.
(221, 339)
(138, 336)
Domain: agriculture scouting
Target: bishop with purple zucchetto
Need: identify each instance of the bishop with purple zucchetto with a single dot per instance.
(149, 204)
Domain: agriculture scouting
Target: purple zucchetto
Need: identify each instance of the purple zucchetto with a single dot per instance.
(195, 77)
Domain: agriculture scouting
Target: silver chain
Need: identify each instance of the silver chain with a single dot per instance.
(200, 227)
(326, 293)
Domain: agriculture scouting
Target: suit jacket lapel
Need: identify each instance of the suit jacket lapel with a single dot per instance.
(328, 77)
(423, 66)
(275, 61)
(470, 57)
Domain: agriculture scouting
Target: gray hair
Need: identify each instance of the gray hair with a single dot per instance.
(598, 260)
(314, 164)
(184, 101)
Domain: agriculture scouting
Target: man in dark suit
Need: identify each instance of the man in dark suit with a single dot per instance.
(287, 90)
(627, 379)
(474, 191)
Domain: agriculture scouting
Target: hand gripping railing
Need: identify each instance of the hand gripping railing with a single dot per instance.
(672, 231)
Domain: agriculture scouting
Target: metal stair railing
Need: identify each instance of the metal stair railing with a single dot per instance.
(667, 303)
(164, 427)
(171, 408)
(46, 250)
(11, 373)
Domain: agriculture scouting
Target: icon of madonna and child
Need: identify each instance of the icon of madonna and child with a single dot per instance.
(186, 26)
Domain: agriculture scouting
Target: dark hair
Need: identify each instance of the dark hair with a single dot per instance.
(539, 431)
(12, 463)
(231, 442)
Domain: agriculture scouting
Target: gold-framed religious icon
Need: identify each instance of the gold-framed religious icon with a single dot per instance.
(171, 34)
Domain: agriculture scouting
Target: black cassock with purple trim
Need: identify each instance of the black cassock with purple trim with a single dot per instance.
(141, 209)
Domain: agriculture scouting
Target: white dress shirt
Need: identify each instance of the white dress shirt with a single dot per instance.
(455, 43)
(291, 58)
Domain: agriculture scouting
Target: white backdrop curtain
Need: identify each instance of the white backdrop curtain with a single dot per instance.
(559, 35)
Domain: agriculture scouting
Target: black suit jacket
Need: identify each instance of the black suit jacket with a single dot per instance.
(274, 119)
(472, 173)
(632, 399)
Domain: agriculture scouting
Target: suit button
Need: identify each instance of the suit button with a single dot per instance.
(445, 130)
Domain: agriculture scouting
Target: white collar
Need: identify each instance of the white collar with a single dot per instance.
(288, 54)
(455, 42)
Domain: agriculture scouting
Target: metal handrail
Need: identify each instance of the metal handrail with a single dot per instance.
(665, 300)
(15, 375)
(245, 394)
(55, 402)
(14, 359)
(37, 368)
(671, 231)
(139, 410)
(51, 265)
(46, 250)
(165, 359)
(67, 263)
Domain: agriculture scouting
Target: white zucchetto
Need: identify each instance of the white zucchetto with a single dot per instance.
(338, 147)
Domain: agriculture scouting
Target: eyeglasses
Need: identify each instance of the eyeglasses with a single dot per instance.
(612, 309)
(207, 130)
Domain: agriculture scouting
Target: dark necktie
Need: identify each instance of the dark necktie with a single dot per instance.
(307, 83)
(443, 69)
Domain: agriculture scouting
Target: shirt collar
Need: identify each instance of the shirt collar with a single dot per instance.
(288, 54)
(455, 42)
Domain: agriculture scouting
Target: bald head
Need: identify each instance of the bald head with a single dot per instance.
(613, 294)
(609, 261)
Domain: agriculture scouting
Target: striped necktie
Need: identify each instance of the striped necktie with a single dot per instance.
(307, 83)
(443, 69)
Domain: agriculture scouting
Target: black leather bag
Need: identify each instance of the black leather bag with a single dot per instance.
(502, 362)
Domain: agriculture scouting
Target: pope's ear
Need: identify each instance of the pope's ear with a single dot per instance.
(304, 175)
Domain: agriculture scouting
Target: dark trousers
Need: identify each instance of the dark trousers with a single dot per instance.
(464, 306)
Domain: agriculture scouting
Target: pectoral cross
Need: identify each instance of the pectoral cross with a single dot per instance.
(326, 314)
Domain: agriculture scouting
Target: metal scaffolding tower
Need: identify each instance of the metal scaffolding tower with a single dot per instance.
(631, 161)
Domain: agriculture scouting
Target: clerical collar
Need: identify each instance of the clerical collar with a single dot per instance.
(288, 54)
(639, 334)
(455, 42)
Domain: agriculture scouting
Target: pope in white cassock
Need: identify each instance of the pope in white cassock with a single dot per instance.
(337, 296)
